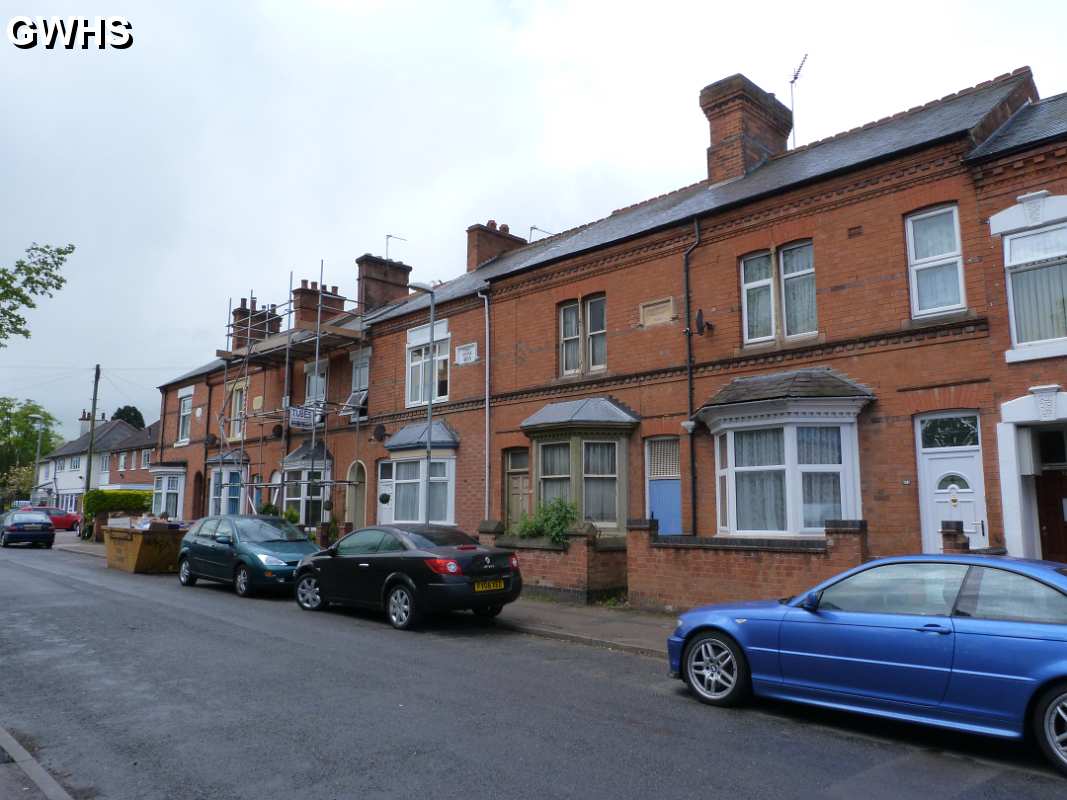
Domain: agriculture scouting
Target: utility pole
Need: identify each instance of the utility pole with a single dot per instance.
(92, 437)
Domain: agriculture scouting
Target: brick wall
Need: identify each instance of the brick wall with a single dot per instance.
(677, 573)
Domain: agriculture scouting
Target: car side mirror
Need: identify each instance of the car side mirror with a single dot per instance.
(810, 602)
(222, 538)
(332, 549)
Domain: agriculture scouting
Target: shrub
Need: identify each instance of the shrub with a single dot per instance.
(129, 501)
(292, 515)
(268, 510)
(552, 521)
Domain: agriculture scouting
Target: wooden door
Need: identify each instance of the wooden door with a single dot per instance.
(1052, 514)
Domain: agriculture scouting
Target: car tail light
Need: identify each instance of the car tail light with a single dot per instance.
(444, 566)
(514, 561)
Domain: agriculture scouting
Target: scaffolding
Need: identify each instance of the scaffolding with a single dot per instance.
(255, 340)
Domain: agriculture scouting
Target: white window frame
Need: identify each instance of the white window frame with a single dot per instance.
(303, 495)
(783, 279)
(146, 458)
(564, 339)
(849, 480)
(61, 464)
(185, 415)
(589, 333)
(122, 461)
(105, 462)
(320, 373)
(75, 462)
(916, 265)
(359, 392)
(237, 411)
(606, 523)
(165, 484)
(1038, 347)
(449, 479)
(757, 284)
(222, 483)
(442, 348)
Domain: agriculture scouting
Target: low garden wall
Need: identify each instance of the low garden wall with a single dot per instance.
(679, 572)
(588, 567)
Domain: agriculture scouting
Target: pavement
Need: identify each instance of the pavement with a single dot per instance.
(637, 632)
(132, 687)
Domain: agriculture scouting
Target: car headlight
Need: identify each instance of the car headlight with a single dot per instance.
(681, 622)
(269, 561)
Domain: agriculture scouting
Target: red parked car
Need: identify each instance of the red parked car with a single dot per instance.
(61, 520)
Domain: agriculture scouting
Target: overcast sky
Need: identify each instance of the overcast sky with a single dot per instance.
(236, 141)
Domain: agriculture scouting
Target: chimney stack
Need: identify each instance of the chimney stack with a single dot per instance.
(381, 281)
(486, 242)
(253, 324)
(306, 302)
(748, 126)
(83, 423)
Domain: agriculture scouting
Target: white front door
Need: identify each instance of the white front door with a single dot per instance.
(385, 490)
(951, 483)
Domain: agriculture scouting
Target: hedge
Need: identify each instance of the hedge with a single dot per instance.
(131, 501)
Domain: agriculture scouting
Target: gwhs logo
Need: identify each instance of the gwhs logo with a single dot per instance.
(70, 32)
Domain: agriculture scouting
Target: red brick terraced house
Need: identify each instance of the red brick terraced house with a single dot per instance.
(808, 358)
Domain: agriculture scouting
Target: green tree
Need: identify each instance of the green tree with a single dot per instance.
(131, 415)
(15, 484)
(18, 434)
(33, 276)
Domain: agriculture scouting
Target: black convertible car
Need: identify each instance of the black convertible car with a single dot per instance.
(409, 571)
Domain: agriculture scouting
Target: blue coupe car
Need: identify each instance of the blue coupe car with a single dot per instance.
(971, 643)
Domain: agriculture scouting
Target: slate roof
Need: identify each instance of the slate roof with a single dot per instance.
(303, 454)
(940, 120)
(413, 436)
(796, 385)
(146, 437)
(108, 436)
(1032, 124)
(588, 412)
(203, 369)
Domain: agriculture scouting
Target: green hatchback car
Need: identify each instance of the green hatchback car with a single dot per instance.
(248, 551)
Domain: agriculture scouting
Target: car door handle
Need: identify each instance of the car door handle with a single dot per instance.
(935, 628)
(364, 564)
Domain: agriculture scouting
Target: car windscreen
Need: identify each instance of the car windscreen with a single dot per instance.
(22, 517)
(439, 537)
(269, 529)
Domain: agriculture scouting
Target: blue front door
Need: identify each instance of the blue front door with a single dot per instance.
(665, 504)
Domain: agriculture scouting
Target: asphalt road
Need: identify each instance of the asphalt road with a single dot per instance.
(129, 686)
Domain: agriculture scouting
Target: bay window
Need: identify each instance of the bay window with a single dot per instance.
(1036, 261)
(408, 481)
(555, 471)
(599, 481)
(167, 490)
(426, 373)
(303, 494)
(226, 491)
(583, 337)
(788, 478)
(935, 262)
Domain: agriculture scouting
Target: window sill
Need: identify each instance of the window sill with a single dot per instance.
(1034, 352)
(775, 345)
(940, 318)
(182, 443)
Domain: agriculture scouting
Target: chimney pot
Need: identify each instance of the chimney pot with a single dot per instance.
(491, 224)
(304, 283)
(333, 290)
(747, 126)
(504, 228)
(315, 286)
(243, 303)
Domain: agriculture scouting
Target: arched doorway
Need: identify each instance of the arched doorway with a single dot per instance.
(356, 495)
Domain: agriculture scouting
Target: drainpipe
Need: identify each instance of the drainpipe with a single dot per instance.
(689, 377)
(488, 362)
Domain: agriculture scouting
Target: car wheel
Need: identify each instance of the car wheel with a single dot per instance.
(400, 607)
(1050, 725)
(3, 540)
(715, 670)
(242, 581)
(488, 612)
(308, 594)
(74, 528)
(185, 573)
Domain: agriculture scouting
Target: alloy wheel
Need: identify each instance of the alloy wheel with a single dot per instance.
(399, 607)
(241, 581)
(183, 571)
(307, 593)
(712, 669)
(1056, 727)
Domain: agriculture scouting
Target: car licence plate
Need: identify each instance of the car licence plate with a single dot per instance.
(488, 586)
